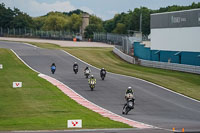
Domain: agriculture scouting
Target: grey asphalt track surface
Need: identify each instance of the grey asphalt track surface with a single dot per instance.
(154, 105)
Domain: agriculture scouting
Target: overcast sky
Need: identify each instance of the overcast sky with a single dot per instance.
(104, 9)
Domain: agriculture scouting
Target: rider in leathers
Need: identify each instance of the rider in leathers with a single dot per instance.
(91, 79)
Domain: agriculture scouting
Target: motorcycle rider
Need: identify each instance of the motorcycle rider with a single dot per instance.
(91, 79)
(103, 71)
(53, 68)
(75, 66)
(129, 95)
(87, 68)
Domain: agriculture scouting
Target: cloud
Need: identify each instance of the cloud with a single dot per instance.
(34, 8)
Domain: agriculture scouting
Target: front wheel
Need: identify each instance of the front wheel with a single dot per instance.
(53, 71)
(92, 87)
(127, 110)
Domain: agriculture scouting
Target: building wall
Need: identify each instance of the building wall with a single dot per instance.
(176, 39)
(176, 31)
(189, 58)
(141, 51)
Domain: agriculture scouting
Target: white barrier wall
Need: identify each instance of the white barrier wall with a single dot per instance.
(124, 56)
(176, 39)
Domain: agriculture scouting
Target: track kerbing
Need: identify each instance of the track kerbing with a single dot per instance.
(84, 102)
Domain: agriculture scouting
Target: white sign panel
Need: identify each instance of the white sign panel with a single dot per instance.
(17, 84)
(1, 66)
(74, 123)
(176, 39)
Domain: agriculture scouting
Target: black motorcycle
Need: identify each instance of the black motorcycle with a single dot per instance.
(103, 75)
(128, 106)
(87, 73)
(75, 69)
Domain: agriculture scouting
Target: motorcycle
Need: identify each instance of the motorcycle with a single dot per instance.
(128, 106)
(103, 75)
(87, 73)
(53, 69)
(76, 69)
(92, 85)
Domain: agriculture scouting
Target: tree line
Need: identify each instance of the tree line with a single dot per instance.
(71, 21)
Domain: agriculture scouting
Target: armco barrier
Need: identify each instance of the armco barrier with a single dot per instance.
(156, 64)
(171, 66)
(124, 56)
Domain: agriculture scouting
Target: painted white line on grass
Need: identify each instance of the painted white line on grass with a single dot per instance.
(31, 45)
(135, 78)
(24, 62)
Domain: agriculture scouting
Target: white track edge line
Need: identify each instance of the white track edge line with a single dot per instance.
(31, 45)
(77, 93)
(136, 78)
(24, 61)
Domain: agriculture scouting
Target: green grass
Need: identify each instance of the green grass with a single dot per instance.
(39, 105)
(45, 45)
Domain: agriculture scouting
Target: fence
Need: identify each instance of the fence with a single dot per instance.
(18, 32)
(122, 42)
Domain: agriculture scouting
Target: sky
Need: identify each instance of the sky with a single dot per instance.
(105, 9)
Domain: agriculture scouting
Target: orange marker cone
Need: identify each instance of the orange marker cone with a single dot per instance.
(183, 130)
(173, 129)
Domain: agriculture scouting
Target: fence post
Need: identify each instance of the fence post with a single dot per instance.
(8, 31)
(1, 31)
(19, 31)
(25, 31)
(14, 31)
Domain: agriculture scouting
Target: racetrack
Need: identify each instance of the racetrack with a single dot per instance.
(154, 105)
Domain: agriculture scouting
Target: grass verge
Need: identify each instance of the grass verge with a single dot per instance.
(39, 105)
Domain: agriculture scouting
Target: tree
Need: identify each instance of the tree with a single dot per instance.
(22, 20)
(90, 29)
(120, 29)
(7, 16)
(75, 22)
(78, 12)
(55, 22)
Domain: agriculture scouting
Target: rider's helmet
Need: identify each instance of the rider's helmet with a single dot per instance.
(129, 90)
(87, 67)
(102, 68)
(53, 64)
(92, 76)
(75, 62)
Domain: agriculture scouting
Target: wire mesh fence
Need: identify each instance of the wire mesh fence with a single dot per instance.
(121, 42)
(31, 33)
